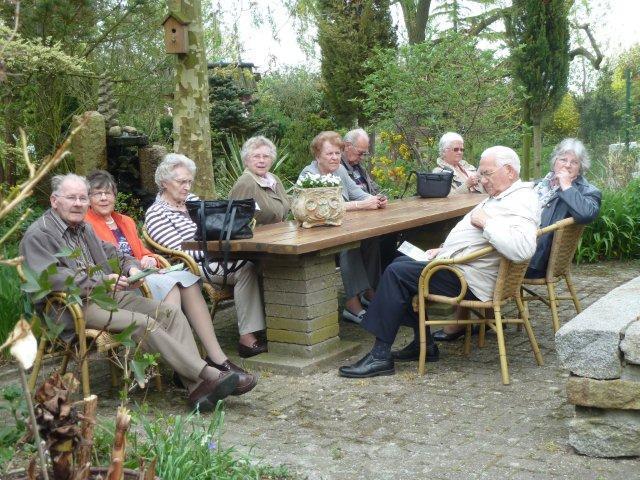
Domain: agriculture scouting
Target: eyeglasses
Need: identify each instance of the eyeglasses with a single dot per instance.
(487, 175)
(74, 199)
(99, 194)
(261, 156)
(183, 182)
(360, 153)
(567, 161)
(456, 149)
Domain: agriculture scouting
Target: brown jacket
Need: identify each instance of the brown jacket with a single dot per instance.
(274, 206)
(44, 239)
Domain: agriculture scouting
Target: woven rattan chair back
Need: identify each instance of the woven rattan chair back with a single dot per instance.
(509, 280)
(563, 249)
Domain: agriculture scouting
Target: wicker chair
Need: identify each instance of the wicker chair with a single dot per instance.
(79, 345)
(565, 241)
(510, 275)
(215, 292)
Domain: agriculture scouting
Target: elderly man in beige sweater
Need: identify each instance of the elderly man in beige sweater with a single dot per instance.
(507, 220)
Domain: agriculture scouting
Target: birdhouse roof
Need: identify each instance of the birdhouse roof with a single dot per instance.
(176, 16)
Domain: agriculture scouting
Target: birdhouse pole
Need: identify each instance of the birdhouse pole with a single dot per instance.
(191, 128)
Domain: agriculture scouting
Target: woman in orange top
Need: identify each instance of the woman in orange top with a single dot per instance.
(178, 287)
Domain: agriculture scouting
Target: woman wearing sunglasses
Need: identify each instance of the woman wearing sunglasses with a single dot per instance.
(465, 179)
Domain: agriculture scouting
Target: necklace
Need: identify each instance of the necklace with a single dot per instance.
(171, 203)
(110, 221)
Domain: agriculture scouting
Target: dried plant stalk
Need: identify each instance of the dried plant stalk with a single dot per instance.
(83, 456)
(123, 420)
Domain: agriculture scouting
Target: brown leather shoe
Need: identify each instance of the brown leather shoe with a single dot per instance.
(246, 380)
(206, 395)
(255, 349)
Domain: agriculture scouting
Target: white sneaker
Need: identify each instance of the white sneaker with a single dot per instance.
(352, 317)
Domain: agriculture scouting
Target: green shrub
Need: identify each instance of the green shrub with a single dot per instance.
(615, 234)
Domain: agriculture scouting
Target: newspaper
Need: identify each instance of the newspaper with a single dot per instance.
(414, 252)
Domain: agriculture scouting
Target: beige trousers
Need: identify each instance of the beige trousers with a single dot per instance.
(162, 327)
(246, 293)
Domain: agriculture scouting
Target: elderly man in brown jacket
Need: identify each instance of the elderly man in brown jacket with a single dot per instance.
(162, 327)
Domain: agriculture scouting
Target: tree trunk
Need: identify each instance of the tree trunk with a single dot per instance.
(416, 15)
(191, 129)
(525, 170)
(537, 148)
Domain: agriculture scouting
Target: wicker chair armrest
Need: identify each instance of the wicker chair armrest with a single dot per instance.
(162, 262)
(449, 264)
(177, 255)
(556, 226)
(74, 309)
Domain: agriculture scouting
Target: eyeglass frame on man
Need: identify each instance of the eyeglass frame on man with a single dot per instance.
(456, 149)
(488, 175)
(73, 198)
(360, 153)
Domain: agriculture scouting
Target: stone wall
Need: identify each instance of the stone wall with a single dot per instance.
(601, 349)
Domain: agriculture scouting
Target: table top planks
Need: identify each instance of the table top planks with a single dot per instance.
(287, 238)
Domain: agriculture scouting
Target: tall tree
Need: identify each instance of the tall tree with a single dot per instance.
(538, 36)
(348, 32)
(191, 127)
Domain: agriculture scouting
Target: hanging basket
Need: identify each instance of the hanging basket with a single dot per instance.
(312, 207)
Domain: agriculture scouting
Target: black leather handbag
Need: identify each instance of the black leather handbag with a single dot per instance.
(221, 220)
(431, 185)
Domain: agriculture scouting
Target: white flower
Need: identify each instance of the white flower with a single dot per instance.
(23, 345)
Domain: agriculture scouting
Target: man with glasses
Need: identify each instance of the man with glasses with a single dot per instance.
(507, 220)
(162, 327)
(356, 149)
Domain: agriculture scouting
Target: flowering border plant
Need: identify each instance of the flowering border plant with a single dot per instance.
(314, 180)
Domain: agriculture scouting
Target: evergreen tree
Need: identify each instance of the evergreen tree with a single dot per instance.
(348, 33)
(538, 35)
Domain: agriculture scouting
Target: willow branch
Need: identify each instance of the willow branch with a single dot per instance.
(596, 59)
(25, 189)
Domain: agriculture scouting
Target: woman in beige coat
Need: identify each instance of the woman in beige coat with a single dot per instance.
(465, 179)
(257, 182)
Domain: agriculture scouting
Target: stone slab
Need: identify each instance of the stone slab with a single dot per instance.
(301, 313)
(605, 433)
(303, 338)
(290, 365)
(630, 372)
(630, 344)
(280, 323)
(300, 299)
(306, 351)
(89, 146)
(588, 345)
(615, 394)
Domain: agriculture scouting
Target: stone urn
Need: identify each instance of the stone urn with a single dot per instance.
(312, 207)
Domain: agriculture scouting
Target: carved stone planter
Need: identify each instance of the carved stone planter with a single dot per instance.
(312, 207)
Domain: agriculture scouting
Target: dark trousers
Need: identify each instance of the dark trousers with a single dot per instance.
(391, 306)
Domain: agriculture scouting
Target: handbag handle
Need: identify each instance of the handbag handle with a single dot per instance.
(406, 185)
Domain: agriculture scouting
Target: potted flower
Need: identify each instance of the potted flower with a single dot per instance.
(317, 200)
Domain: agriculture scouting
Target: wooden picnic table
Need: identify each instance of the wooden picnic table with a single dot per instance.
(299, 274)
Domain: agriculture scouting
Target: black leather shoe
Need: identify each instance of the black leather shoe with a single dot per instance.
(257, 348)
(412, 353)
(246, 380)
(368, 366)
(442, 336)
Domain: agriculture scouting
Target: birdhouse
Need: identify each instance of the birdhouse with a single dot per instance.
(176, 38)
